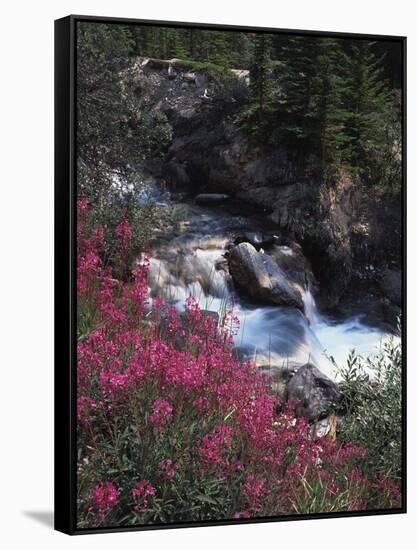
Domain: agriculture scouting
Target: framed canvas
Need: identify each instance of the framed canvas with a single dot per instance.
(230, 274)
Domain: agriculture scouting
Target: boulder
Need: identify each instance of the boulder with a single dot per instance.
(211, 198)
(391, 286)
(313, 393)
(293, 262)
(258, 239)
(261, 278)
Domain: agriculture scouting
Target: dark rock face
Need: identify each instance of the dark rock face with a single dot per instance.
(391, 286)
(314, 391)
(211, 198)
(260, 277)
(175, 174)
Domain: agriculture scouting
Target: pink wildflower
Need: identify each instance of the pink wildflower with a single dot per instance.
(124, 233)
(141, 493)
(213, 451)
(255, 491)
(167, 468)
(161, 414)
(104, 498)
(241, 515)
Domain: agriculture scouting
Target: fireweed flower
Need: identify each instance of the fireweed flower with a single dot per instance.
(167, 469)
(104, 498)
(142, 492)
(250, 436)
(161, 414)
(241, 515)
(124, 234)
(255, 491)
(215, 447)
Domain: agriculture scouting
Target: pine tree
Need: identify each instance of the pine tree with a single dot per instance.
(241, 49)
(326, 117)
(112, 134)
(296, 78)
(260, 75)
(309, 110)
(368, 100)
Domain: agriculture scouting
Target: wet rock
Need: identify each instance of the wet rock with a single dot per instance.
(260, 277)
(391, 286)
(257, 239)
(294, 264)
(221, 264)
(314, 391)
(211, 198)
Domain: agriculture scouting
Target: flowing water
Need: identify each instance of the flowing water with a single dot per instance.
(190, 263)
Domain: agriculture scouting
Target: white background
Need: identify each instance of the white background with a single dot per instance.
(26, 233)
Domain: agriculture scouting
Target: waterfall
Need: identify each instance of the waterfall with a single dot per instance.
(310, 307)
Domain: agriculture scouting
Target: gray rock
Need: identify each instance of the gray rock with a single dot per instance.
(189, 77)
(211, 198)
(293, 262)
(391, 286)
(157, 64)
(261, 278)
(200, 80)
(257, 239)
(313, 391)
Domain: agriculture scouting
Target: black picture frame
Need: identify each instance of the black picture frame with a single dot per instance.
(65, 272)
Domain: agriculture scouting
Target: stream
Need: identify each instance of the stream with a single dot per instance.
(190, 262)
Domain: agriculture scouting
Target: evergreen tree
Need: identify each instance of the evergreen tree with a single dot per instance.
(241, 49)
(326, 116)
(368, 100)
(310, 113)
(260, 75)
(296, 88)
(112, 134)
(218, 50)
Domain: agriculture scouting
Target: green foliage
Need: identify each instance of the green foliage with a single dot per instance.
(297, 71)
(372, 125)
(327, 100)
(255, 117)
(372, 400)
(113, 134)
(159, 42)
(215, 48)
(168, 43)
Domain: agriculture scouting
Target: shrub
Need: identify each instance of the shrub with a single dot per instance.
(372, 398)
(171, 427)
